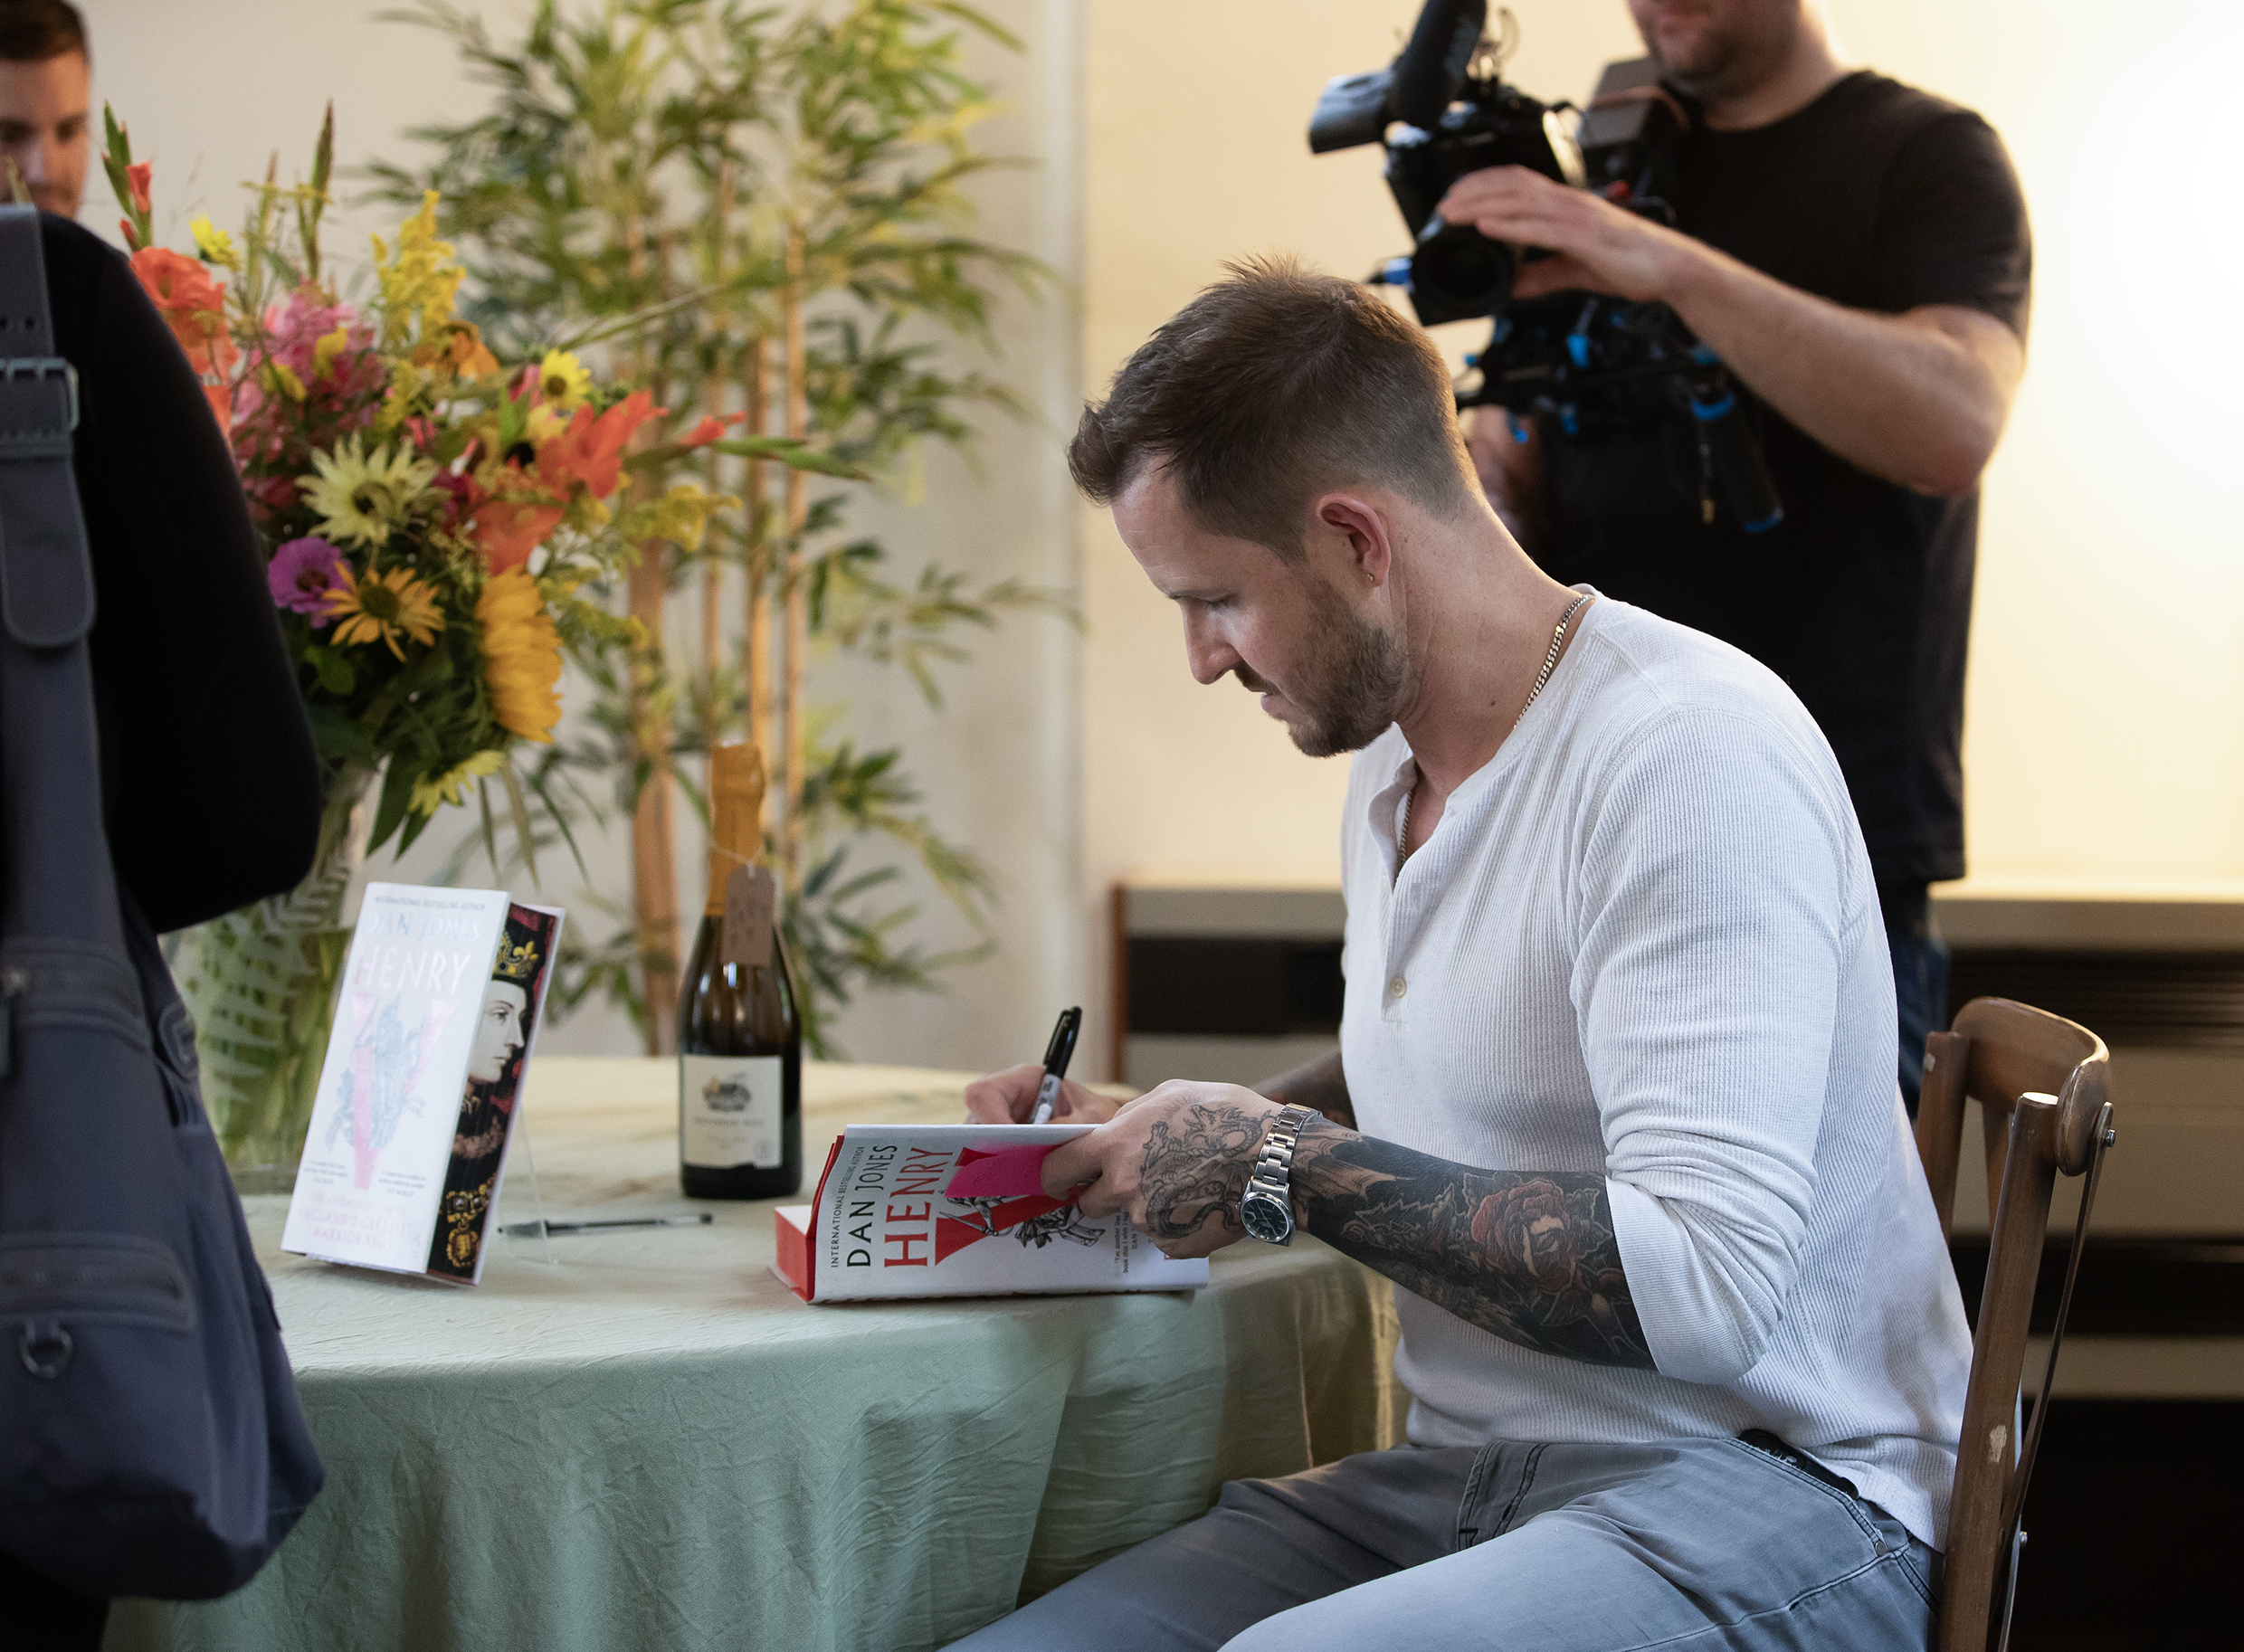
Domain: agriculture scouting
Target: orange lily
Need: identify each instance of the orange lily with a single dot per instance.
(509, 530)
(590, 449)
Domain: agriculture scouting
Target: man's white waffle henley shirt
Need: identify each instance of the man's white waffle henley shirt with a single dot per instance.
(1643, 942)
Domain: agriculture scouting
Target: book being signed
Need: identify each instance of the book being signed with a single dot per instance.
(958, 1211)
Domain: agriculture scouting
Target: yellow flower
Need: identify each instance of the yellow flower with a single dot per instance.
(376, 608)
(431, 793)
(324, 352)
(284, 380)
(522, 654)
(406, 382)
(422, 278)
(682, 514)
(563, 381)
(361, 498)
(213, 244)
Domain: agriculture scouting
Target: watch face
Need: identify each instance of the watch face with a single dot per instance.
(1265, 1218)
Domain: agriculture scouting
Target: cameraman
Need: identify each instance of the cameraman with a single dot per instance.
(1856, 253)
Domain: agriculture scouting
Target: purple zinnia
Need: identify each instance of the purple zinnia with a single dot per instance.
(302, 573)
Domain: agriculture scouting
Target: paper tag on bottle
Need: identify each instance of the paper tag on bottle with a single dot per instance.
(751, 900)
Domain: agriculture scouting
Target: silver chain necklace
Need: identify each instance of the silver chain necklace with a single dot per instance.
(1550, 662)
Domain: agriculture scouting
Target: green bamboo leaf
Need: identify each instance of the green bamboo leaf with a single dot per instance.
(390, 811)
(525, 840)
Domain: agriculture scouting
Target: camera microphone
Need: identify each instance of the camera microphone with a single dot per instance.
(1432, 69)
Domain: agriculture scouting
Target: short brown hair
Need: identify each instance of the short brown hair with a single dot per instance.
(32, 31)
(1269, 387)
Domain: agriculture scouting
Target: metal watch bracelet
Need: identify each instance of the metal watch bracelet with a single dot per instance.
(1273, 1167)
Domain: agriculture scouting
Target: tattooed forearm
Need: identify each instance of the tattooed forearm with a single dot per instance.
(1529, 1256)
(1319, 1085)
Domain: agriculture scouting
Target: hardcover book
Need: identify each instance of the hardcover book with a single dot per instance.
(434, 1022)
(958, 1211)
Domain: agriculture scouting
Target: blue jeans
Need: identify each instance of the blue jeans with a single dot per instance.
(1679, 1544)
(1920, 967)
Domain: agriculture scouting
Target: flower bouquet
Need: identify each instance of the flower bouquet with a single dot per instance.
(433, 520)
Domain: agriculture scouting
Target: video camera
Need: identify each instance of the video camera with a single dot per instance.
(1585, 364)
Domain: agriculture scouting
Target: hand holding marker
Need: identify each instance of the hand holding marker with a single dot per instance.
(1056, 1057)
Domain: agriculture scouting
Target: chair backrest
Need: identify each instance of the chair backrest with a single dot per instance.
(2043, 1084)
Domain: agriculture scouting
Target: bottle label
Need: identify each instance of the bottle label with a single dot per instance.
(728, 1111)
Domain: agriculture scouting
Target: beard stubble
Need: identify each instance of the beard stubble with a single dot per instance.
(1352, 684)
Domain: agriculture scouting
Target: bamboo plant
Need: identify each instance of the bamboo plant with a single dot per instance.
(761, 218)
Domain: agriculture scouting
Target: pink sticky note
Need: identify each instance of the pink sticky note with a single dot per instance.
(1008, 1173)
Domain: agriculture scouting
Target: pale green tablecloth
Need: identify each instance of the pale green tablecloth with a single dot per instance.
(654, 1445)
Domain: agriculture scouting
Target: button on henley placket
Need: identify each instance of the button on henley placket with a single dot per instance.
(1425, 879)
(1417, 891)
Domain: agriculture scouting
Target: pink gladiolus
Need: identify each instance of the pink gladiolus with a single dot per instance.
(136, 176)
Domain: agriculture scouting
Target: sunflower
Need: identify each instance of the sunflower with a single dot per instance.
(362, 496)
(522, 654)
(376, 608)
(432, 792)
(563, 381)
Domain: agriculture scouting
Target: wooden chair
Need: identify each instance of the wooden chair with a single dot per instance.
(2043, 1085)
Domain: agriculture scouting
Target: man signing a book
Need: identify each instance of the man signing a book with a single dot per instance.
(1615, 1103)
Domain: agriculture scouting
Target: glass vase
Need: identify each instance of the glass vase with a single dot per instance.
(260, 983)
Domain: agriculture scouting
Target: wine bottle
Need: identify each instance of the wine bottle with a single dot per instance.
(740, 1030)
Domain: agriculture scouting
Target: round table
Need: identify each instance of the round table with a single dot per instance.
(641, 1439)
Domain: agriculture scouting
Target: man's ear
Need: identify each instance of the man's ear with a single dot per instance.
(1359, 532)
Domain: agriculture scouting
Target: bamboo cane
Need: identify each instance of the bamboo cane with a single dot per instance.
(713, 390)
(655, 879)
(712, 580)
(797, 613)
(755, 650)
(654, 874)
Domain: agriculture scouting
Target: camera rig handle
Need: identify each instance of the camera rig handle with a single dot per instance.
(1729, 455)
(1618, 364)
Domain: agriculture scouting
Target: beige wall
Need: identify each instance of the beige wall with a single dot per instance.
(2105, 734)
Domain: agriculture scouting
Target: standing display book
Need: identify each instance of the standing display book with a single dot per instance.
(423, 1078)
(958, 1211)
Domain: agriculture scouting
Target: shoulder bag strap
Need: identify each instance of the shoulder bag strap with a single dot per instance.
(46, 579)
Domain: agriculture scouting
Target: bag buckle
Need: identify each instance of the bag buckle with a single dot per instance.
(15, 367)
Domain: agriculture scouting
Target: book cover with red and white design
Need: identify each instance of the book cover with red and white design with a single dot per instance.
(958, 1211)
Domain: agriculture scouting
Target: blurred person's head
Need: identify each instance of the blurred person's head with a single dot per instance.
(1247, 450)
(45, 91)
(1721, 49)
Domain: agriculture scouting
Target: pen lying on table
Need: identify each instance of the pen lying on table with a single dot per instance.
(700, 1219)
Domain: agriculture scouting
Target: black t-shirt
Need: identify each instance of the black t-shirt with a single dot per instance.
(1878, 197)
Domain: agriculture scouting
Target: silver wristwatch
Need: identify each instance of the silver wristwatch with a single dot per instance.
(1266, 1208)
